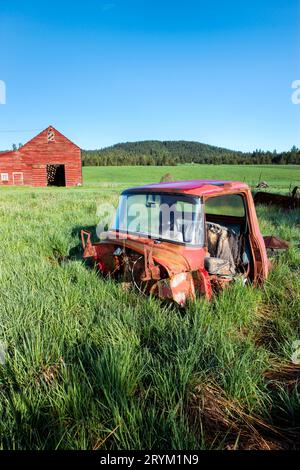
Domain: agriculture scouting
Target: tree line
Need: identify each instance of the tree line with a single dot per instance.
(178, 152)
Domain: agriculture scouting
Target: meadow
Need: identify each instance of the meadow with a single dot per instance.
(87, 365)
(279, 177)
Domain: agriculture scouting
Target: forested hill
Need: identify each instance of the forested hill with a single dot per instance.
(154, 152)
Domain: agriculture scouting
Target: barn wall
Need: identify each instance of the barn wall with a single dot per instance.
(12, 162)
(58, 151)
(33, 157)
(73, 174)
(39, 175)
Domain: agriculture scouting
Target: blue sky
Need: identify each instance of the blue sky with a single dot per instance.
(111, 71)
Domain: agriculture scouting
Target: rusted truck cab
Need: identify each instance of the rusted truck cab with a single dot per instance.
(177, 240)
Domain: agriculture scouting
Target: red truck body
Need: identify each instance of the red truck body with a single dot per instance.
(179, 267)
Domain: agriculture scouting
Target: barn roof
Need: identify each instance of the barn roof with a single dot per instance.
(45, 131)
(8, 153)
(11, 153)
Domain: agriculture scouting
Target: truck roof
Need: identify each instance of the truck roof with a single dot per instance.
(195, 187)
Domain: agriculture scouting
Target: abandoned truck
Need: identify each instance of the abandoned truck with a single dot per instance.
(179, 239)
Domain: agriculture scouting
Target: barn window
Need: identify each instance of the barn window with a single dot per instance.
(18, 178)
(50, 135)
(4, 176)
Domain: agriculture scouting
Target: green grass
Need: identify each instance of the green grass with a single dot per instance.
(92, 366)
(279, 177)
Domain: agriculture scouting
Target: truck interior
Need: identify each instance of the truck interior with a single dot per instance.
(227, 237)
(182, 219)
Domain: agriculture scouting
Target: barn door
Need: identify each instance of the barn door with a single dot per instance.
(18, 179)
(56, 175)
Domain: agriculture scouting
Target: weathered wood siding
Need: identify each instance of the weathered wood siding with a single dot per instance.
(48, 147)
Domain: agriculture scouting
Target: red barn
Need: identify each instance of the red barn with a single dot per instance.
(49, 159)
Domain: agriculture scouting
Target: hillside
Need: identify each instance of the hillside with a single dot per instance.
(154, 152)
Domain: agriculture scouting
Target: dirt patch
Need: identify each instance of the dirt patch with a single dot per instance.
(50, 372)
(224, 422)
(287, 375)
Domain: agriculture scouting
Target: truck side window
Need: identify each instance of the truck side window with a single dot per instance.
(231, 205)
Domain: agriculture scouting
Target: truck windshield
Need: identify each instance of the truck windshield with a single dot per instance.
(176, 218)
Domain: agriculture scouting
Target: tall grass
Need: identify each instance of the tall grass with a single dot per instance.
(91, 366)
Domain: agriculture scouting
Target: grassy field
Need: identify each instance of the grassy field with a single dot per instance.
(279, 177)
(90, 366)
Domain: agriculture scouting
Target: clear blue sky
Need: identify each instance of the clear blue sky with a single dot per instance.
(110, 71)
